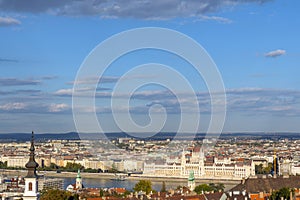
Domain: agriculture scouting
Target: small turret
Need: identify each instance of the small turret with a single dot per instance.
(191, 181)
(78, 181)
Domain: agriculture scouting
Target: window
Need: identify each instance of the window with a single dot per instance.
(30, 186)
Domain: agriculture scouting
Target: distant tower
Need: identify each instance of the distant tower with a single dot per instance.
(191, 181)
(201, 169)
(31, 180)
(201, 153)
(78, 181)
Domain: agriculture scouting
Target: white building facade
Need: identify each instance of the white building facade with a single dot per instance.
(203, 168)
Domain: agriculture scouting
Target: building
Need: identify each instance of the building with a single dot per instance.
(78, 186)
(191, 181)
(262, 188)
(53, 183)
(210, 168)
(31, 180)
(78, 181)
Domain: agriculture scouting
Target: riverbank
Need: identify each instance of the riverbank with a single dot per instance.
(112, 175)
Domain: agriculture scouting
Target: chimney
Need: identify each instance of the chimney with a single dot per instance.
(261, 195)
(230, 194)
(291, 195)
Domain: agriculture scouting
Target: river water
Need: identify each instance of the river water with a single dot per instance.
(129, 184)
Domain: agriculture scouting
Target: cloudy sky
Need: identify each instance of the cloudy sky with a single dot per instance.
(254, 44)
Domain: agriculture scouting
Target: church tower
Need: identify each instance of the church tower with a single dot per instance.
(31, 179)
(78, 181)
(191, 181)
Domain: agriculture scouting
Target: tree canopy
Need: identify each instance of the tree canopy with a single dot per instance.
(283, 192)
(143, 185)
(209, 187)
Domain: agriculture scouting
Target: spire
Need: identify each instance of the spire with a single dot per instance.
(191, 176)
(31, 165)
(78, 174)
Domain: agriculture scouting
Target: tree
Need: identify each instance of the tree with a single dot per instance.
(283, 192)
(143, 185)
(163, 187)
(53, 166)
(259, 169)
(3, 164)
(203, 188)
(216, 187)
(101, 193)
(268, 169)
(73, 166)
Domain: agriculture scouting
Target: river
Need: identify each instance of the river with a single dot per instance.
(129, 184)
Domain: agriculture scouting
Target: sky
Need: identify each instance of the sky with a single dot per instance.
(253, 43)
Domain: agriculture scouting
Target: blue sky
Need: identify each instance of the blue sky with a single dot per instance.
(254, 43)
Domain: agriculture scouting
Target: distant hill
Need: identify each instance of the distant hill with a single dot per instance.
(38, 137)
(158, 136)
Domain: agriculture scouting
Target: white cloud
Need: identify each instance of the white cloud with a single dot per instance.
(64, 92)
(139, 9)
(276, 53)
(8, 21)
(54, 108)
(13, 106)
(214, 18)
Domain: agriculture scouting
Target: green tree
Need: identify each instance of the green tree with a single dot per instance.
(283, 192)
(259, 169)
(203, 188)
(143, 185)
(73, 166)
(53, 166)
(163, 187)
(101, 193)
(3, 165)
(268, 169)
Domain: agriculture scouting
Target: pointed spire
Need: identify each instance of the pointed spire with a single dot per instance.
(31, 165)
(32, 142)
(78, 174)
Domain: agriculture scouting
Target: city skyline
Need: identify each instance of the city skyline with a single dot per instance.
(253, 43)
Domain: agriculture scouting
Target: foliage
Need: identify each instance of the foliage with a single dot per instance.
(217, 187)
(90, 170)
(3, 165)
(101, 193)
(163, 187)
(209, 187)
(283, 192)
(259, 169)
(52, 167)
(202, 188)
(73, 166)
(143, 185)
(55, 194)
